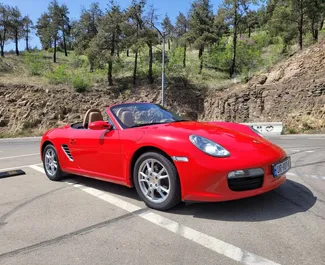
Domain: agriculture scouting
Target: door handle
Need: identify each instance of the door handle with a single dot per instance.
(72, 141)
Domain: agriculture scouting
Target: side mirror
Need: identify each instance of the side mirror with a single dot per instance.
(100, 125)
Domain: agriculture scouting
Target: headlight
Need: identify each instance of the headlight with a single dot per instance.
(209, 147)
(256, 131)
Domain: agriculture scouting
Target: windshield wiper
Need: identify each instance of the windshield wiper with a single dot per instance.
(180, 120)
(145, 124)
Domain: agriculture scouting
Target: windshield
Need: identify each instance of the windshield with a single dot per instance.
(141, 114)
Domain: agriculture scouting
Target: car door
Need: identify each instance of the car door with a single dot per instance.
(97, 152)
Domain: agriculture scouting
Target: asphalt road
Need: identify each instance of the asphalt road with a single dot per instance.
(84, 221)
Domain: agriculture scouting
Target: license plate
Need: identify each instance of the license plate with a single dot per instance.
(281, 168)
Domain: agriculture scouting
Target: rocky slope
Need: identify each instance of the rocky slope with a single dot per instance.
(292, 92)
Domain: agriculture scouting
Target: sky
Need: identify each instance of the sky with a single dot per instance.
(34, 8)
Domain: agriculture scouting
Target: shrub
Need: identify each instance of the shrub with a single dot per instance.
(34, 63)
(58, 76)
(80, 82)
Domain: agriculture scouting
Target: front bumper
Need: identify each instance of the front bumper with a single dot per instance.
(206, 179)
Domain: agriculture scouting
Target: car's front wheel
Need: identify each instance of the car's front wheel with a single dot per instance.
(156, 181)
(51, 163)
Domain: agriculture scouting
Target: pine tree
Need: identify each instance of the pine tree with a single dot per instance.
(180, 31)
(168, 28)
(27, 29)
(201, 30)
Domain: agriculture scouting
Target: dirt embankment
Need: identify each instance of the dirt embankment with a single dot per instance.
(292, 92)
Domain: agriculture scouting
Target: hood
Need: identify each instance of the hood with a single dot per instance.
(228, 138)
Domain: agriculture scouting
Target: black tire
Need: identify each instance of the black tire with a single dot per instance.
(174, 196)
(59, 173)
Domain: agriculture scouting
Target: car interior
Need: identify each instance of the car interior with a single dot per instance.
(90, 116)
(125, 116)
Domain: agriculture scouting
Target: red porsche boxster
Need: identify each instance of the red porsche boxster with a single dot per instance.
(167, 158)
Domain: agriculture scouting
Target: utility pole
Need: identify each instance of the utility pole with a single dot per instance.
(163, 71)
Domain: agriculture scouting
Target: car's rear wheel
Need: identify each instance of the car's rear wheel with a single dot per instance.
(156, 181)
(51, 163)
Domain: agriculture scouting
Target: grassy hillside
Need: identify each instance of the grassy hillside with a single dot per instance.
(255, 55)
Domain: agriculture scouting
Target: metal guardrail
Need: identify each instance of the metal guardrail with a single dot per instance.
(267, 128)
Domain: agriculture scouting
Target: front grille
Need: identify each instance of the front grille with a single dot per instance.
(66, 150)
(249, 180)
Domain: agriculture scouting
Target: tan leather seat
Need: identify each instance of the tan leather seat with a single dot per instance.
(91, 116)
(95, 116)
(127, 118)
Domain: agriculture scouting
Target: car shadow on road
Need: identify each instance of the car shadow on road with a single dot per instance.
(288, 199)
(105, 186)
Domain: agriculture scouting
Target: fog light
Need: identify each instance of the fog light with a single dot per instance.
(246, 173)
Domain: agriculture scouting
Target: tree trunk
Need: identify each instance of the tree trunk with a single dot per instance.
(2, 51)
(109, 74)
(110, 63)
(150, 77)
(16, 42)
(249, 32)
(27, 47)
(168, 44)
(184, 56)
(65, 45)
(300, 26)
(321, 23)
(201, 50)
(234, 51)
(135, 68)
(314, 30)
(54, 51)
(127, 53)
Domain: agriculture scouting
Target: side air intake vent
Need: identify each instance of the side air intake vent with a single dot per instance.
(66, 150)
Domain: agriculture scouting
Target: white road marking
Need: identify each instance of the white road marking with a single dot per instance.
(295, 150)
(310, 151)
(212, 243)
(17, 167)
(291, 174)
(20, 138)
(40, 169)
(9, 157)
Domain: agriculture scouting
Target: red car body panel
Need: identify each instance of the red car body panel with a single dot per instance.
(107, 155)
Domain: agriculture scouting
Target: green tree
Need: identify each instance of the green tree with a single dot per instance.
(27, 29)
(135, 38)
(235, 10)
(315, 13)
(283, 24)
(4, 26)
(168, 28)
(64, 25)
(109, 38)
(201, 26)
(85, 29)
(16, 26)
(55, 23)
(43, 31)
(180, 31)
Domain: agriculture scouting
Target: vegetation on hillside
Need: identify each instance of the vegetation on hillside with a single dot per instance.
(124, 47)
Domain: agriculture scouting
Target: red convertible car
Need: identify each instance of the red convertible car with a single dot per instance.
(167, 159)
